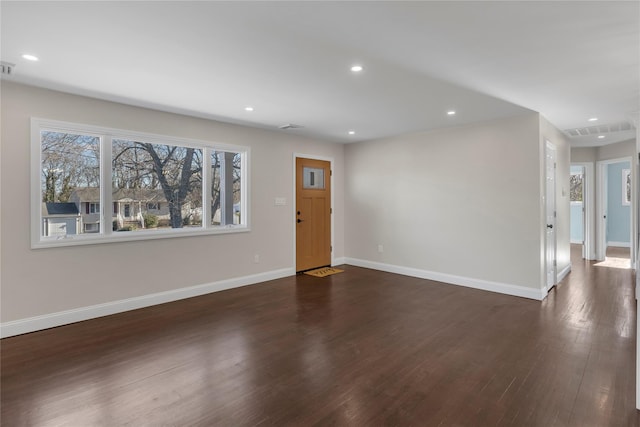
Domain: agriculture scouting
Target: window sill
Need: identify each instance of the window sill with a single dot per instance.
(133, 236)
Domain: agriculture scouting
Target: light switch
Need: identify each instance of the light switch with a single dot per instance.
(280, 201)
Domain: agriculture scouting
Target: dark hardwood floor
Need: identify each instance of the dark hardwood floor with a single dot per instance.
(360, 348)
(617, 252)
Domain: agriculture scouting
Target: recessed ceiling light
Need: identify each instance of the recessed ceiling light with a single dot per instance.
(357, 68)
(593, 119)
(30, 57)
(352, 132)
(600, 136)
(248, 108)
(451, 113)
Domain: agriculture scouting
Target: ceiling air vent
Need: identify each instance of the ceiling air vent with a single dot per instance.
(290, 126)
(600, 129)
(7, 68)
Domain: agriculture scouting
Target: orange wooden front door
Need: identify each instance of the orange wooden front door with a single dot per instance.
(313, 214)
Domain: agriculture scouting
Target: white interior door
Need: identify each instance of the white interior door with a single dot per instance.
(601, 231)
(550, 213)
(583, 215)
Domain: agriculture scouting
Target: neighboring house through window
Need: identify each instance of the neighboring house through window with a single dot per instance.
(60, 219)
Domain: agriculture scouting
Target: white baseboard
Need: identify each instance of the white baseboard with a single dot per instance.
(619, 244)
(338, 261)
(502, 288)
(31, 324)
(563, 273)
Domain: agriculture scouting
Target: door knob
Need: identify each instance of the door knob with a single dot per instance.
(549, 225)
(299, 220)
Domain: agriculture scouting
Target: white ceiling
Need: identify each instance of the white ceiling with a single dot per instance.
(570, 61)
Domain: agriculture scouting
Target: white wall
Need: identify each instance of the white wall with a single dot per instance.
(463, 203)
(617, 150)
(584, 154)
(44, 281)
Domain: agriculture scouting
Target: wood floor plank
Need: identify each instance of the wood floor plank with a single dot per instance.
(359, 348)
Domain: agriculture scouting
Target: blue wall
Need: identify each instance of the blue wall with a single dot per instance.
(577, 229)
(618, 216)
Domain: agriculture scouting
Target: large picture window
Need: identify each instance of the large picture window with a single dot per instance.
(98, 185)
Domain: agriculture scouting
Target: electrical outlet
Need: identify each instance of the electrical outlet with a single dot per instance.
(380, 249)
(256, 258)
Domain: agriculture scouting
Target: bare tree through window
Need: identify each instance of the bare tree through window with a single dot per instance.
(175, 170)
(626, 187)
(68, 161)
(576, 186)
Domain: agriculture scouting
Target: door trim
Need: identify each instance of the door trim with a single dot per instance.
(602, 198)
(293, 201)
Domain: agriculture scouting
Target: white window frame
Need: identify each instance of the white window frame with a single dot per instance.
(106, 235)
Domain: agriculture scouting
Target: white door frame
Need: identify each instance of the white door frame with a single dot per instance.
(294, 201)
(549, 146)
(602, 198)
(588, 203)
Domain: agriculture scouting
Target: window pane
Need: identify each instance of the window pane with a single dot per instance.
(626, 187)
(575, 187)
(146, 176)
(313, 178)
(70, 164)
(226, 197)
